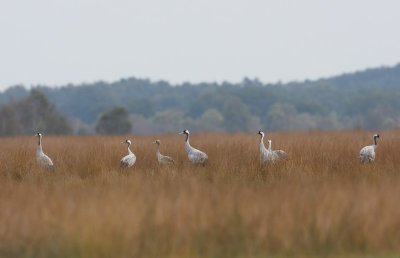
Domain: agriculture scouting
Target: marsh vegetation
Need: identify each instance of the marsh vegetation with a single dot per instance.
(320, 201)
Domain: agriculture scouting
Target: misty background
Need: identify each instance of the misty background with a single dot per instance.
(159, 66)
(362, 100)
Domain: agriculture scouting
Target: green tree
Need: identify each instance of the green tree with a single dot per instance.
(170, 121)
(36, 112)
(9, 125)
(32, 114)
(114, 121)
(237, 116)
(142, 107)
(211, 120)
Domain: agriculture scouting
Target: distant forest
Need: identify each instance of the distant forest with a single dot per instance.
(363, 100)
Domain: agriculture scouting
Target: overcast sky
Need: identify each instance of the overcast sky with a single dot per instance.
(56, 42)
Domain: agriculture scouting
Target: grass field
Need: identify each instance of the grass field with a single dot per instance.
(320, 202)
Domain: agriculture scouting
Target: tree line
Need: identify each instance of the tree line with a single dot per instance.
(366, 99)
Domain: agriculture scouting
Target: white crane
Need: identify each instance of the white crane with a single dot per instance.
(279, 153)
(195, 156)
(368, 152)
(129, 159)
(162, 159)
(265, 154)
(42, 159)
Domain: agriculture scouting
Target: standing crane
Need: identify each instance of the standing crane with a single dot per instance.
(196, 156)
(42, 159)
(129, 159)
(367, 153)
(162, 159)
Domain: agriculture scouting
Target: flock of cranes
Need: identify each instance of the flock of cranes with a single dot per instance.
(198, 157)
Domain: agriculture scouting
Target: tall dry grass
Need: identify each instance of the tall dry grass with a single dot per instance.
(320, 202)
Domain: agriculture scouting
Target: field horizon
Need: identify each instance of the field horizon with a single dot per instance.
(319, 202)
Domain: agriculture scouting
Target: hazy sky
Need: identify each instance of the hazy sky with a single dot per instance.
(56, 42)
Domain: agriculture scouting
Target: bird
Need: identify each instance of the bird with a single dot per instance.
(162, 159)
(129, 159)
(367, 153)
(196, 156)
(42, 159)
(280, 153)
(265, 154)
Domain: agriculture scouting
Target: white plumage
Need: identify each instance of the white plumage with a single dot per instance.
(268, 155)
(42, 159)
(368, 152)
(162, 159)
(279, 153)
(129, 159)
(265, 154)
(195, 156)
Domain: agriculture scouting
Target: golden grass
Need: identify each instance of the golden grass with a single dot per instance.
(320, 202)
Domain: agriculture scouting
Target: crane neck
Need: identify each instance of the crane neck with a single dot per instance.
(158, 154)
(39, 149)
(39, 146)
(129, 149)
(269, 146)
(262, 146)
(375, 141)
(188, 148)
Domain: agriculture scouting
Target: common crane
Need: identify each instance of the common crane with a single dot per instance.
(265, 154)
(42, 159)
(196, 156)
(368, 152)
(129, 159)
(162, 159)
(279, 153)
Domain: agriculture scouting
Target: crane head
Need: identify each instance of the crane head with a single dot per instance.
(127, 142)
(185, 132)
